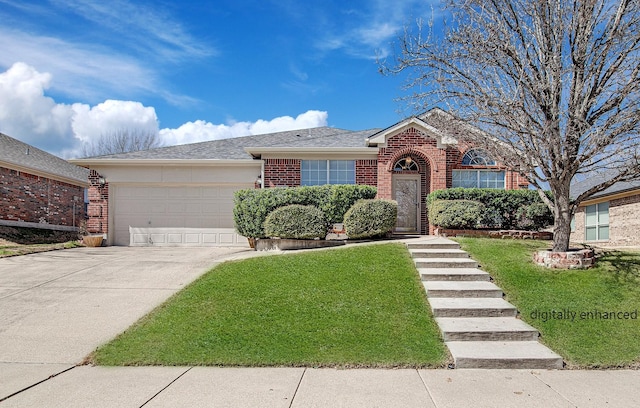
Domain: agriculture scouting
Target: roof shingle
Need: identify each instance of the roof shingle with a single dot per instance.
(13, 151)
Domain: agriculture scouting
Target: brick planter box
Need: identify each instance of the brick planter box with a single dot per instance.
(515, 234)
(578, 259)
(266, 244)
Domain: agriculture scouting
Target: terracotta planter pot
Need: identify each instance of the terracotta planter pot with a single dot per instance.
(92, 240)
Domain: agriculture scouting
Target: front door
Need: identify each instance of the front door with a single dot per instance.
(406, 191)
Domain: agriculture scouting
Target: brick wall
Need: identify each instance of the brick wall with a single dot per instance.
(286, 172)
(282, 172)
(29, 198)
(367, 172)
(624, 223)
(98, 208)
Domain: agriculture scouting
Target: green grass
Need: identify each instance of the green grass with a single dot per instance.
(590, 341)
(349, 307)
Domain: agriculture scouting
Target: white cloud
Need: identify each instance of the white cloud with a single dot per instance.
(81, 71)
(26, 113)
(200, 130)
(90, 123)
(31, 116)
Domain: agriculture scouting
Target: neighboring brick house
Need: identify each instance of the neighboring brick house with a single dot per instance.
(183, 195)
(38, 189)
(609, 218)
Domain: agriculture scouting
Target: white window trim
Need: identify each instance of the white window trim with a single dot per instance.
(328, 169)
(478, 171)
(597, 224)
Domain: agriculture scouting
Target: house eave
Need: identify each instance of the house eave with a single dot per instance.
(293, 152)
(380, 139)
(162, 162)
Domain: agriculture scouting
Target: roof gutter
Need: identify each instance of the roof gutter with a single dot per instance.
(162, 162)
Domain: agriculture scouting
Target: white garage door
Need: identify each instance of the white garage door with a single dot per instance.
(174, 215)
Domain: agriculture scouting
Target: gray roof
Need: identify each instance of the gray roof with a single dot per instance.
(620, 187)
(234, 148)
(13, 151)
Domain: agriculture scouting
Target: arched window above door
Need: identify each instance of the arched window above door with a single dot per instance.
(406, 164)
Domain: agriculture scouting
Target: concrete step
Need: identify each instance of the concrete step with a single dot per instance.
(486, 329)
(453, 274)
(434, 243)
(461, 289)
(438, 253)
(445, 263)
(472, 307)
(503, 354)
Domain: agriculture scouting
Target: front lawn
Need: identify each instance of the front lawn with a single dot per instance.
(350, 307)
(605, 328)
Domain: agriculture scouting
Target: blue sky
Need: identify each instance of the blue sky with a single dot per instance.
(197, 70)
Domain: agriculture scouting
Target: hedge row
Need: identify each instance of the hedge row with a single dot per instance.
(456, 214)
(502, 209)
(296, 222)
(252, 206)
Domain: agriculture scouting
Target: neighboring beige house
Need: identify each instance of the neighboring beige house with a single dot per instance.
(609, 218)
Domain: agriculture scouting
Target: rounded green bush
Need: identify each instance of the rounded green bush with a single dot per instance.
(370, 218)
(534, 216)
(251, 206)
(456, 214)
(297, 222)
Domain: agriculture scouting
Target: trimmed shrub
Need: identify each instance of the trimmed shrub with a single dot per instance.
(456, 214)
(297, 222)
(370, 218)
(252, 206)
(534, 216)
(501, 207)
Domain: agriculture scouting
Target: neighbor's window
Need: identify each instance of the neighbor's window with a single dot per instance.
(597, 222)
(478, 179)
(319, 172)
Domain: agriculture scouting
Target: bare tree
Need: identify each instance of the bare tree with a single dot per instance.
(122, 141)
(555, 83)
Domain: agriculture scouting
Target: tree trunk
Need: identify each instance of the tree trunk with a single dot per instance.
(562, 225)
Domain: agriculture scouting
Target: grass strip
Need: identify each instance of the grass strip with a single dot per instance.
(587, 316)
(350, 307)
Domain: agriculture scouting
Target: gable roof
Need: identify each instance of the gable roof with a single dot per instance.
(239, 148)
(23, 157)
(427, 122)
(620, 187)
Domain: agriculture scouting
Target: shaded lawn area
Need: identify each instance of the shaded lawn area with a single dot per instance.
(593, 337)
(359, 306)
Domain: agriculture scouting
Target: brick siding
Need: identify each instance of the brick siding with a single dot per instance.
(367, 172)
(30, 198)
(98, 208)
(624, 223)
(282, 172)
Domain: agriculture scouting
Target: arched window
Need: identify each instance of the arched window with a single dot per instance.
(406, 164)
(477, 157)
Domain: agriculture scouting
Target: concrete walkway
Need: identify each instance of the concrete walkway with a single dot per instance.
(57, 307)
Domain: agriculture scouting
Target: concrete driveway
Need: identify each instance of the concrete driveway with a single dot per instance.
(57, 307)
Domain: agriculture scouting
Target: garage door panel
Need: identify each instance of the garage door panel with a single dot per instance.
(175, 215)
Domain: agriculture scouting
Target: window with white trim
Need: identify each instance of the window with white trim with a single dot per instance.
(477, 157)
(319, 172)
(478, 179)
(596, 222)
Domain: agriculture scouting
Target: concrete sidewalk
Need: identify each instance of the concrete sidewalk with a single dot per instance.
(86, 386)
